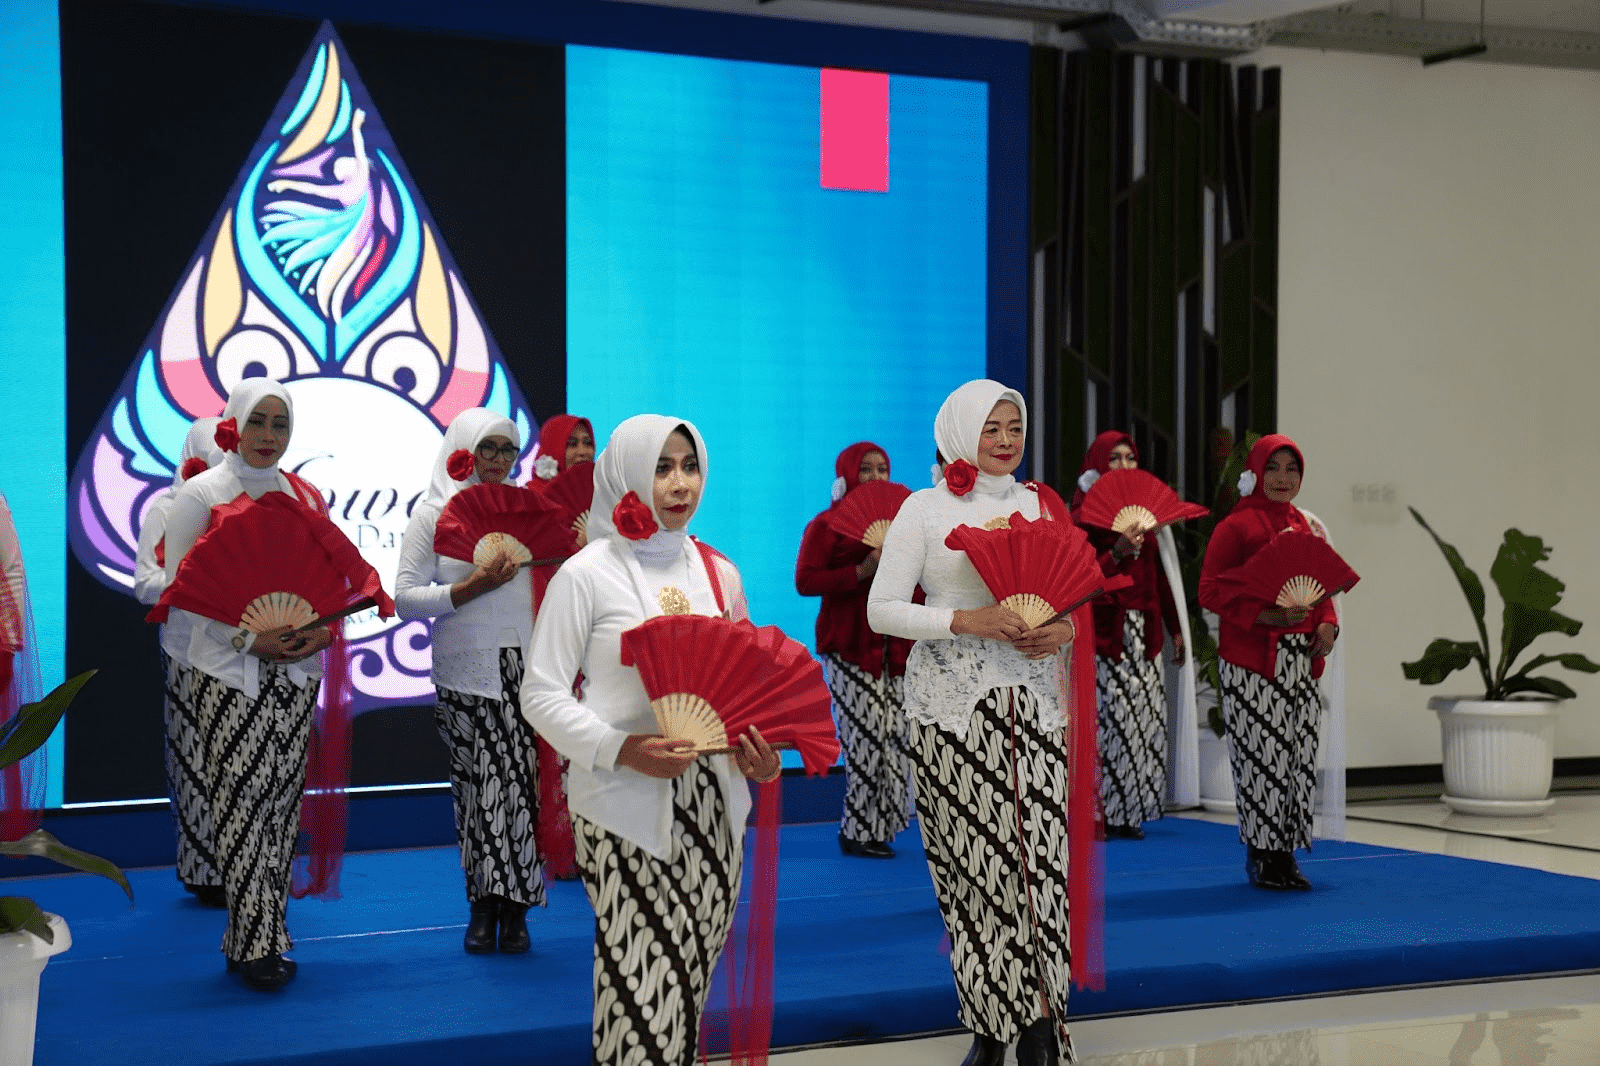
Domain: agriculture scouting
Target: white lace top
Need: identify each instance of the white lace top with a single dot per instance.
(946, 675)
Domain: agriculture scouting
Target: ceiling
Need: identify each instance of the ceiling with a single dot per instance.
(1549, 33)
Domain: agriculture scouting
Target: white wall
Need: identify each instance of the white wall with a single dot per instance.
(1439, 317)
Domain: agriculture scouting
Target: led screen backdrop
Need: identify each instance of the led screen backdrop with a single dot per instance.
(401, 224)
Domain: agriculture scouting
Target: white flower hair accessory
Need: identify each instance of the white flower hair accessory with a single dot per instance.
(546, 467)
(838, 490)
(1087, 479)
(1247, 483)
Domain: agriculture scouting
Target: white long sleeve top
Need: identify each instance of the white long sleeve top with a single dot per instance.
(467, 639)
(594, 597)
(946, 675)
(192, 639)
(149, 576)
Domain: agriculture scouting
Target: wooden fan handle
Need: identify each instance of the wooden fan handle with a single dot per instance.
(543, 562)
(1068, 611)
(325, 619)
(781, 745)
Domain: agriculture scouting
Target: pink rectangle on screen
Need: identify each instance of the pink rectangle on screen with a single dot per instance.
(855, 130)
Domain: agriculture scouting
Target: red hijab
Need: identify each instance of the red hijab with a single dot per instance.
(848, 465)
(1098, 459)
(555, 433)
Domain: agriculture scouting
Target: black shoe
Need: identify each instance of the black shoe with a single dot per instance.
(513, 928)
(209, 895)
(986, 1051)
(479, 938)
(1292, 877)
(866, 849)
(1037, 1045)
(1124, 832)
(1264, 869)
(266, 974)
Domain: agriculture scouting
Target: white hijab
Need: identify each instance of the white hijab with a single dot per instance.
(244, 399)
(958, 427)
(467, 431)
(628, 464)
(199, 443)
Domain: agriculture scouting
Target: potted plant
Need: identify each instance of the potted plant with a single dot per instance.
(1499, 747)
(29, 936)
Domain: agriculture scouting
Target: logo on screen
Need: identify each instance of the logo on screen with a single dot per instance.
(324, 270)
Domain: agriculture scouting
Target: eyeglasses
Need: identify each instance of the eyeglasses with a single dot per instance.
(508, 452)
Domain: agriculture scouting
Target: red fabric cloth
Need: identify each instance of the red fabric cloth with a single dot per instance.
(1149, 594)
(1254, 522)
(1085, 818)
(553, 829)
(826, 567)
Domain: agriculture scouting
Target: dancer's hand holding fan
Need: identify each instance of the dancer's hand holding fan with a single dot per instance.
(709, 680)
(572, 491)
(1135, 503)
(1297, 570)
(867, 511)
(494, 520)
(1041, 569)
(270, 564)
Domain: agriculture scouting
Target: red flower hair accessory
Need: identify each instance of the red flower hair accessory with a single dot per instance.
(633, 519)
(959, 477)
(192, 466)
(227, 435)
(460, 465)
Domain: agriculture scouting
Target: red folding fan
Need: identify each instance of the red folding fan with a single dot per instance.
(866, 511)
(272, 562)
(1040, 569)
(572, 490)
(483, 521)
(1135, 499)
(1297, 569)
(710, 679)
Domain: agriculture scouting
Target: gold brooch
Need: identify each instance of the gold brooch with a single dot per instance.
(674, 600)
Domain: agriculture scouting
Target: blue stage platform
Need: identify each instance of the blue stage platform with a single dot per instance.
(383, 978)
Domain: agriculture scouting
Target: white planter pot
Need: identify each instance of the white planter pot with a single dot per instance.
(1498, 756)
(22, 959)
(1216, 773)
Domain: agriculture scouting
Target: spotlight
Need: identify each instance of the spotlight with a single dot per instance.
(1477, 48)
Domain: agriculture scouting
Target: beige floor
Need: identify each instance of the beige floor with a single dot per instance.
(1547, 1022)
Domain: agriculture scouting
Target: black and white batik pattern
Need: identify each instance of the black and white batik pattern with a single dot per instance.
(1273, 724)
(1133, 729)
(993, 811)
(255, 772)
(659, 926)
(186, 784)
(494, 778)
(877, 761)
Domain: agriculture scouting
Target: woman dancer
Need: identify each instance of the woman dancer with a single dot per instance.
(197, 861)
(21, 783)
(247, 693)
(865, 671)
(1271, 657)
(564, 440)
(659, 832)
(987, 719)
(1128, 639)
(482, 618)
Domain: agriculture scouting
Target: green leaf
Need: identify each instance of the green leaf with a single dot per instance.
(1516, 572)
(46, 846)
(35, 722)
(1521, 626)
(17, 913)
(1469, 581)
(1571, 660)
(1547, 685)
(1228, 480)
(1218, 724)
(1443, 658)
